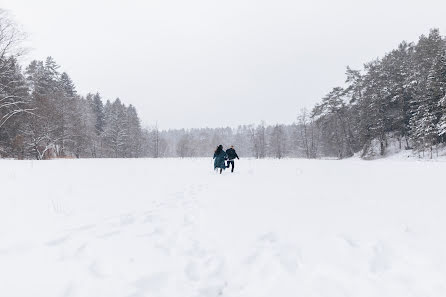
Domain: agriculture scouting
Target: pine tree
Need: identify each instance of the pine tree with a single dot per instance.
(116, 130)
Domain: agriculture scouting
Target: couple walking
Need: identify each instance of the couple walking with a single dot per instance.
(220, 156)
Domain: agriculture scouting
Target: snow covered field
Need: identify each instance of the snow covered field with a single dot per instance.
(170, 227)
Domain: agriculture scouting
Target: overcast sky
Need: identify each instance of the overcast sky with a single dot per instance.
(201, 63)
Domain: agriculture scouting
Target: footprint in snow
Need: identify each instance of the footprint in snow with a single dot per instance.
(149, 218)
(192, 272)
(179, 195)
(187, 221)
(152, 283)
(289, 258)
(271, 252)
(69, 290)
(212, 291)
(83, 228)
(127, 219)
(96, 270)
(156, 232)
(109, 234)
(80, 250)
(349, 241)
(12, 175)
(380, 260)
(57, 241)
(211, 267)
(269, 237)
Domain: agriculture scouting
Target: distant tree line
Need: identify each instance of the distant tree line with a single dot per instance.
(400, 97)
(259, 141)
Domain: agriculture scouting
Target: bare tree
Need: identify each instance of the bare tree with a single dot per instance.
(277, 141)
(13, 100)
(306, 134)
(184, 146)
(257, 136)
(302, 121)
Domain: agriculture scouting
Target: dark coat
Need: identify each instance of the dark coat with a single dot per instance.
(219, 160)
(231, 154)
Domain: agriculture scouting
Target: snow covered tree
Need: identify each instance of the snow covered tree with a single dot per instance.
(331, 116)
(305, 134)
(14, 99)
(115, 130)
(13, 91)
(133, 124)
(42, 116)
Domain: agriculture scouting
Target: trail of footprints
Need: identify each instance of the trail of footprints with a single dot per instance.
(204, 270)
(151, 225)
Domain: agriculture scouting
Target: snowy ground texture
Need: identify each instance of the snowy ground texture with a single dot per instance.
(172, 227)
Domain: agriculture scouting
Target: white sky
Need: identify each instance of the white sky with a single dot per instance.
(200, 63)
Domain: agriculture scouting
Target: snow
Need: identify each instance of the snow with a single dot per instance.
(395, 150)
(172, 227)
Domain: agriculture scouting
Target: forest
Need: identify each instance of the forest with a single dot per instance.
(399, 97)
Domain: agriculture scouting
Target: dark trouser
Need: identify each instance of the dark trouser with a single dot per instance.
(230, 162)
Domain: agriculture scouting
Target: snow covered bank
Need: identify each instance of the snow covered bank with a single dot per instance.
(396, 149)
(171, 227)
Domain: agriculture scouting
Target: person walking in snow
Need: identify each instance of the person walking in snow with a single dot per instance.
(220, 158)
(232, 154)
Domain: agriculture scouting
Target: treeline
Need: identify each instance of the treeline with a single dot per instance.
(398, 97)
(42, 116)
(259, 141)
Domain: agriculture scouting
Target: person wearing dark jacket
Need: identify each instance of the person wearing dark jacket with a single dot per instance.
(231, 157)
(220, 157)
